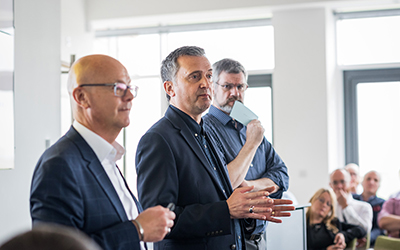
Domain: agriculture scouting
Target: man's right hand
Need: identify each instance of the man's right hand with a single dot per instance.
(256, 205)
(254, 133)
(156, 222)
(341, 197)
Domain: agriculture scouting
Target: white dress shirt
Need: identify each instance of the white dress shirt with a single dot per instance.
(108, 154)
(357, 213)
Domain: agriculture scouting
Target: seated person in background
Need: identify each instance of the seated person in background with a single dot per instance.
(371, 183)
(389, 217)
(50, 237)
(347, 209)
(354, 171)
(324, 231)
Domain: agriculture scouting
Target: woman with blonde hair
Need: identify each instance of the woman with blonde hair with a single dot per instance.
(324, 230)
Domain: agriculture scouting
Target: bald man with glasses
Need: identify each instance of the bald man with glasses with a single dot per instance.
(249, 157)
(77, 183)
(348, 209)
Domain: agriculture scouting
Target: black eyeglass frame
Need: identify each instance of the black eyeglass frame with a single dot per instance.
(133, 88)
(244, 85)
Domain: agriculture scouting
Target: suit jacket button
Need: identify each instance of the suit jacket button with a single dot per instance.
(233, 246)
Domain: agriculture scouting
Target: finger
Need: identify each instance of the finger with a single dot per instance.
(257, 194)
(282, 214)
(261, 202)
(282, 202)
(262, 210)
(245, 189)
(284, 208)
(273, 219)
(270, 189)
(263, 217)
(170, 223)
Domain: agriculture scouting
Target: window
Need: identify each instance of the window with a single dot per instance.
(372, 121)
(367, 48)
(142, 50)
(369, 40)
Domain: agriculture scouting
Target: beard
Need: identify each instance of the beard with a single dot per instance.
(226, 107)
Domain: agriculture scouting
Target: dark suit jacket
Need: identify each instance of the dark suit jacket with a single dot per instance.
(172, 167)
(70, 187)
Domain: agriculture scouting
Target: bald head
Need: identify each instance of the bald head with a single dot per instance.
(94, 69)
(339, 180)
(371, 183)
(92, 85)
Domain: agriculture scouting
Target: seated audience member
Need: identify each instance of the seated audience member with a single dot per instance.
(371, 183)
(51, 237)
(389, 217)
(324, 230)
(347, 209)
(354, 171)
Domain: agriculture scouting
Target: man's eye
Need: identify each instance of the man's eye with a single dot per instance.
(194, 77)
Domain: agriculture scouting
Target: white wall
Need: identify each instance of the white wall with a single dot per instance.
(301, 81)
(105, 9)
(37, 106)
(46, 31)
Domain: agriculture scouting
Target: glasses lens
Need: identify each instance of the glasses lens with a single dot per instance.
(120, 89)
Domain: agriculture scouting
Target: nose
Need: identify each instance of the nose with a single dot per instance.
(234, 91)
(128, 96)
(206, 82)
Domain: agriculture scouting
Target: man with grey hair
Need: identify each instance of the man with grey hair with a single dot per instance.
(177, 162)
(348, 209)
(371, 183)
(250, 158)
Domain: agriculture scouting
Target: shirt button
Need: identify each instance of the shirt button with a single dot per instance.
(233, 246)
(205, 146)
(239, 237)
(251, 165)
(223, 191)
(195, 134)
(215, 169)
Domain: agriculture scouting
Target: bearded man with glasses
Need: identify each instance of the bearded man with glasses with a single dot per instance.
(250, 158)
(77, 183)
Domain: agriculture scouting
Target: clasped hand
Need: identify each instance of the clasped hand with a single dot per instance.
(256, 205)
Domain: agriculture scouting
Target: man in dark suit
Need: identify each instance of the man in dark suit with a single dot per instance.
(176, 162)
(76, 181)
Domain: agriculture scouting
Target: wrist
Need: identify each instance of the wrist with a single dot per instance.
(139, 229)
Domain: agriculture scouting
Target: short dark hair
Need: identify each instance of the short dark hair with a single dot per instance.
(50, 237)
(229, 66)
(170, 66)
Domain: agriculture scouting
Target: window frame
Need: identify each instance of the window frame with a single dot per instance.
(351, 78)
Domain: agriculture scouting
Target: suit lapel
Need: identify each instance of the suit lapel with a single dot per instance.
(98, 172)
(139, 207)
(179, 124)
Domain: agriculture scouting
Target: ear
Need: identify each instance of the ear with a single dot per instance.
(81, 97)
(169, 88)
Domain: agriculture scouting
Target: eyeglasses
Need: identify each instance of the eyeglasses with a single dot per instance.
(228, 87)
(120, 89)
(323, 202)
(337, 182)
